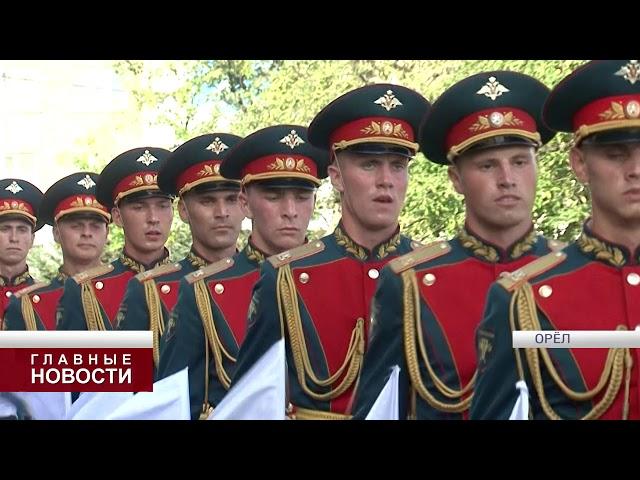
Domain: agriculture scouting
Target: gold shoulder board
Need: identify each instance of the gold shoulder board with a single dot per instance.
(212, 269)
(158, 271)
(510, 281)
(419, 255)
(30, 288)
(92, 273)
(297, 253)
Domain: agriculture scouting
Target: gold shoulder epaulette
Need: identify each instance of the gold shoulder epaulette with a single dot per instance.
(157, 271)
(31, 288)
(556, 245)
(297, 253)
(510, 281)
(421, 254)
(209, 270)
(92, 273)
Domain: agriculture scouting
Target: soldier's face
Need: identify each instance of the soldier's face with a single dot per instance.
(372, 188)
(16, 238)
(612, 173)
(146, 223)
(214, 217)
(82, 238)
(498, 184)
(280, 216)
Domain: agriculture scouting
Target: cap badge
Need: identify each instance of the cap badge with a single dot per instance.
(492, 89)
(292, 140)
(147, 158)
(86, 182)
(217, 146)
(209, 170)
(388, 101)
(632, 109)
(617, 111)
(289, 164)
(385, 128)
(495, 120)
(14, 188)
(147, 179)
(630, 72)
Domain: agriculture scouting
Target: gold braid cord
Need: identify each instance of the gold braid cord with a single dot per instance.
(207, 409)
(27, 313)
(211, 334)
(91, 307)
(618, 363)
(288, 305)
(156, 324)
(413, 329)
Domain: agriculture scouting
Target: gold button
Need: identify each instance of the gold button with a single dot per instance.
(8, 294)
(99, 285)
(219, 288)
(429, 279)
(633, 279)
(304, 277)
(545, 291)
(373, 273)
(36, 298)
(165, 289)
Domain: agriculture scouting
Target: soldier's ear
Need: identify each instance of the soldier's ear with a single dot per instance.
(56, 233)
(183, 211)
(335, 174)
(456, 178)
(116, 217)
(243, 198)
(578, 165)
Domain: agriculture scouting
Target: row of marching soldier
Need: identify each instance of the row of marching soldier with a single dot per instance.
(364, 309)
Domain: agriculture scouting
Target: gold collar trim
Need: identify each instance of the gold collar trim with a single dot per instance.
(600, 249)
(196, 260)
(482, 249)
(381, 251)
(17, 280)
(138, 267)
(253, 253)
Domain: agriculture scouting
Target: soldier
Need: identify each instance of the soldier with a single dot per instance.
(280, 171)
(593, 284)
(128, 187)
(318, 295)
(487, 129)
(80, 226)
(19, 202)
(209, 204)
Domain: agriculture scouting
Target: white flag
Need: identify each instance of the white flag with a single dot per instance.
(168, 401)
(521, 408)
(260, 394)
(35, 405)
(96, 405)
(386, 405)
